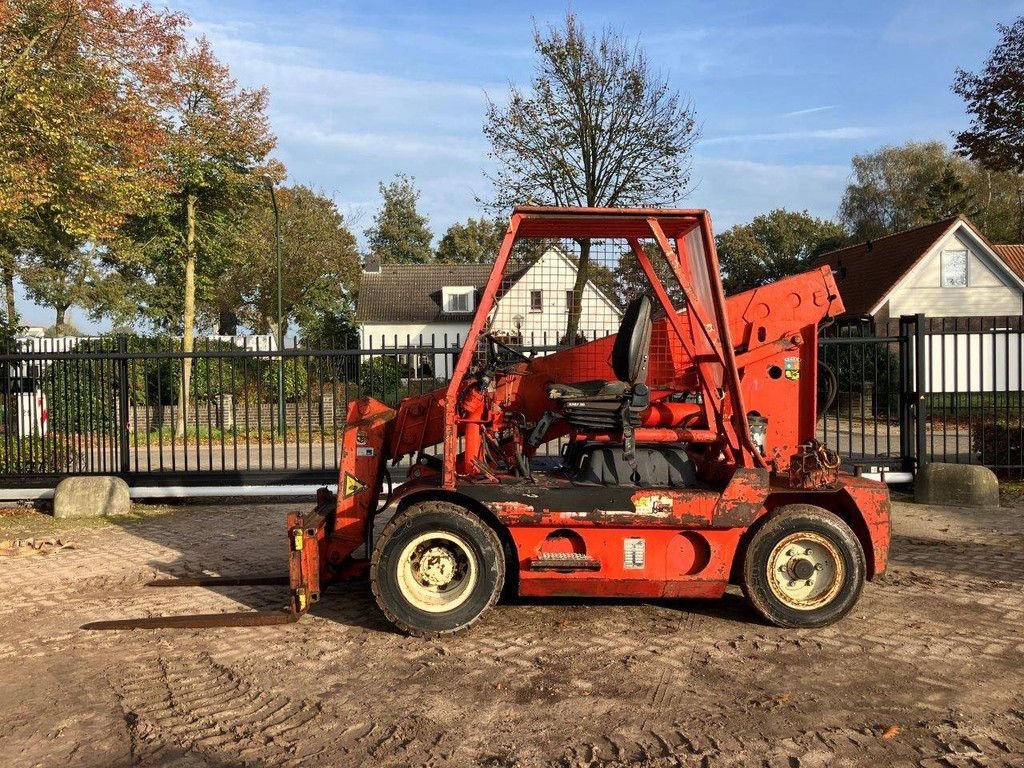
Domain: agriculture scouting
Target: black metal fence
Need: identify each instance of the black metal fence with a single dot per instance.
(116, 406)
(920, 389)
(916, 390)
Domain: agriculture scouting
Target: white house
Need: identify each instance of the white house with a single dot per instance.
(432, 305)
(945, 269)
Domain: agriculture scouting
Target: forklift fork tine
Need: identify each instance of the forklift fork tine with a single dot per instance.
(201, 621)
(222, 581)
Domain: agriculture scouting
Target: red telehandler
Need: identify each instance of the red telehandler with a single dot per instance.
(688, 455)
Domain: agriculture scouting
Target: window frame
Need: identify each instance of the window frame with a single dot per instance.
(537, 293)
(942, 267)
(450, 292)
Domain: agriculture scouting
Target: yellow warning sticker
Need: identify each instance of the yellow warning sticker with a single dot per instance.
(353, 485)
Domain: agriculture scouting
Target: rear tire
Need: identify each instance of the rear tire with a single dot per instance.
(436, 569)
(803, 567)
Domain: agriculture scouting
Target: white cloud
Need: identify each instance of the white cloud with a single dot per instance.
(809, 111)
(826, 134)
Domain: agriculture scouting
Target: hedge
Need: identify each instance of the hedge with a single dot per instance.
(999, 443)
(29, 455)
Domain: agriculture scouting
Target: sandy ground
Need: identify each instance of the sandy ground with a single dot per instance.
(926, 672)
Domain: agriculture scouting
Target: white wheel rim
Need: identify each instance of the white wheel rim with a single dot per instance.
(437, 572)
(805, 571)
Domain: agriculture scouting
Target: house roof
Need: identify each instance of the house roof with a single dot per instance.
(411, 293)
(1013, 255)
(868, 271)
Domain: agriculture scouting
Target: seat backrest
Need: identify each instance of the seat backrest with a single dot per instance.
(633, 342)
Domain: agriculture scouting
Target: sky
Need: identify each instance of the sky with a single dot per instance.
(785, 92)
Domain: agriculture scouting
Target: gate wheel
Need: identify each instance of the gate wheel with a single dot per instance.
(804, 567)
(436, 569)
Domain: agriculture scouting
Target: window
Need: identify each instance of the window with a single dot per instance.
(536, 301)
(458, 299)
(568, 300)
(954, 268)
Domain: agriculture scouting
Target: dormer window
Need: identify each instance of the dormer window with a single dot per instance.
(458, 299)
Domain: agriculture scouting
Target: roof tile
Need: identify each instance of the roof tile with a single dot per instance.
(1013, 255)
(411, 293)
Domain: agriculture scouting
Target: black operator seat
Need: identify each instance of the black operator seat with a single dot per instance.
(611, 405)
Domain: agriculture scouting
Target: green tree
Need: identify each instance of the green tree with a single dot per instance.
(475, 242)
(216, 154)
(949, 196)
(995, 102)
(8, 329)
(599, 127)
(319, 256)
(890, 187)
(898, 188)
(773, 246)
(400, 234)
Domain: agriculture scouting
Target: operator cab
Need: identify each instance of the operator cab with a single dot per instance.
(598, 408)
(614, 405)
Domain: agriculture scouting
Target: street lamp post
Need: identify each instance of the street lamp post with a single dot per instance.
(280, 309)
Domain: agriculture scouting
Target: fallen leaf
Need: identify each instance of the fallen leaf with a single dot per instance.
(891, 732)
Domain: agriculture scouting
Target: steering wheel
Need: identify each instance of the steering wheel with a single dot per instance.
(493, 345)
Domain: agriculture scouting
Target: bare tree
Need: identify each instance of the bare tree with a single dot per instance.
(598, 127)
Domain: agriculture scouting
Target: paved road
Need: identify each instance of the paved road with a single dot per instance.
(928, 671)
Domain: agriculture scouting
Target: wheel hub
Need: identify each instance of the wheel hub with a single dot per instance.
(801, 568)
(437, 567)
(805, 571)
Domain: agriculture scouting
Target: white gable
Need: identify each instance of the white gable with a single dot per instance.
(543, 316)
(991, 287)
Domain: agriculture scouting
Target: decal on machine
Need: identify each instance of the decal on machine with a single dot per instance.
(364, 451)
(633, 551)
(793, 368)
(353, 485)
(655, 505)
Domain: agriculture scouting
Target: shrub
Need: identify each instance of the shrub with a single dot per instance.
(31, 455)
(213, 376)
(82, 392)
(380, 377)
(999, 443)
(296, 381)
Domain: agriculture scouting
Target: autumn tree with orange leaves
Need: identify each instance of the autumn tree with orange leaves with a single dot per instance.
(83, 88)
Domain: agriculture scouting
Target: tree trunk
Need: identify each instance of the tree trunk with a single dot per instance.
(8, 268)
(189, 315)
(572, 325)
(227, 322)
(61, 317)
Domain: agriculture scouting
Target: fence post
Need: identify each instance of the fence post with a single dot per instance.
(921, 390)
(906, 393)
(122, 403)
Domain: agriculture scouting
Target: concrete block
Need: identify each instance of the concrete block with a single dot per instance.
(91, 496)
(957, 485)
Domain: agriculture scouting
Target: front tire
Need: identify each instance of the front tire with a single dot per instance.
(804, 567)
(436, 569)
